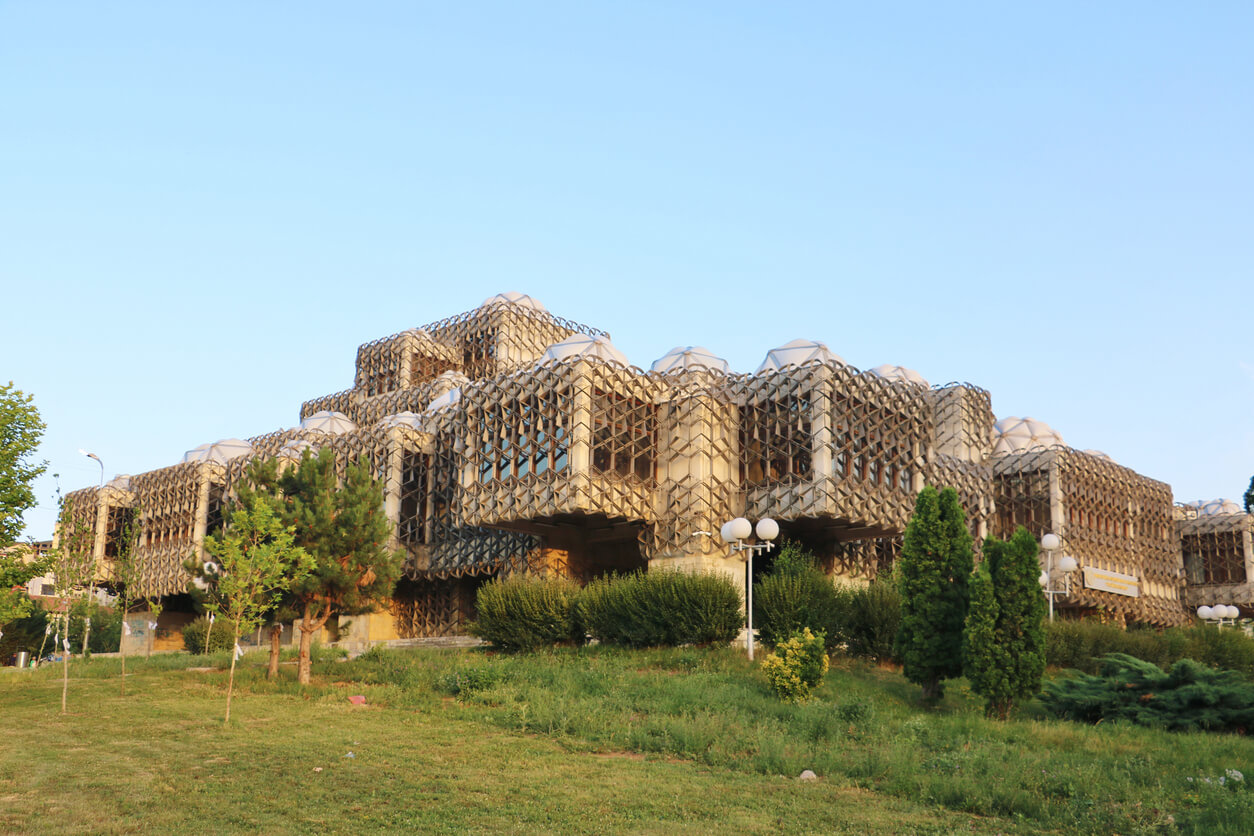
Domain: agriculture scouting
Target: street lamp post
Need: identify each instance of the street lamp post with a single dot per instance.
(734, 533)
(1066, 564)
(91, 581)
(1221, 614)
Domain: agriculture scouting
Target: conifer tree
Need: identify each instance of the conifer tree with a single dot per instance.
(343, 526)
(1249, 497)
(1005, 637)
(933, 573)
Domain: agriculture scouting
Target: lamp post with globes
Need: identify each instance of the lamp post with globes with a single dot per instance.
(1221, 614)
(1066, 564)
(735, 533)
(91, 581)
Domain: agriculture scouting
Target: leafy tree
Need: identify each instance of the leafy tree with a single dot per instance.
(72, 561)
(258, 560)
(933, 573)
(261, 484)
(16, 570)
(20, 431)
(1005, 637)
(128, 581)
(344, 528)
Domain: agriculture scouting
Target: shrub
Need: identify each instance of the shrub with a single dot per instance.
(106, 627)
(870, 618)
(198, 639)
(523, 612)
(1083, 645)
(463, 681)
(794, 596)
(796, 666)
(1189, 697)
(651, 609)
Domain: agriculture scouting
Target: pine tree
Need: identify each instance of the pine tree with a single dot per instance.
(344, 528)
(933, 572)
(1004, 644)
(1249, 497)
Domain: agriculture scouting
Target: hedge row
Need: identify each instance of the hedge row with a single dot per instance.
(645, 609)
(1084, 646)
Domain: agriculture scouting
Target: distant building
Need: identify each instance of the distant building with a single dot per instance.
(511, 440)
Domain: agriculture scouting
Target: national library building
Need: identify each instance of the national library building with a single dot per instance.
(508, 440)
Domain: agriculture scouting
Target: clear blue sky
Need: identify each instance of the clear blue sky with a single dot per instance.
(205, 208)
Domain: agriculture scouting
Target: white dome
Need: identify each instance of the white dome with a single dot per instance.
(449, 380)
(797, 353)
(1098, 454)
(219, 451)
(1215, 507)
(1017, 435)
(688, 358)
(512, 297)
(582, 346)
(122, 482)
(333, 423)
(294, 448)
(404, 419)
(900, 374)
(445, 401)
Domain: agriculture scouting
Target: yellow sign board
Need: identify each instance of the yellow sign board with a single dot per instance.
(1112, 582)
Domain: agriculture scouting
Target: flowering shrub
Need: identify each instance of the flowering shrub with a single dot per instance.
(797, 666)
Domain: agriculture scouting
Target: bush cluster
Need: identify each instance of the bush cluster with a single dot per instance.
(198, 639)
(1189, 697)
(870, 619)
(1083, 645)
(794, 596)
(523, 613)
(797, 595)
(661, 609)
(644, 609)
(796, 666)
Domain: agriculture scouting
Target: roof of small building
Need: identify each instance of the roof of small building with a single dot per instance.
(584, 347)
(326, 421)
(1018, 435)
(684, 358)
(900, 374)
(445, 401)
(220, 452)
(513, 297)
(1215, 507)
(404, 419)
(798, 353)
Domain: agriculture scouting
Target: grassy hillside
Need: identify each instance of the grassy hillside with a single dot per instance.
(580, 741)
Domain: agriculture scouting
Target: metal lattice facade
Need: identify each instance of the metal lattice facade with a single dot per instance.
(510, 440)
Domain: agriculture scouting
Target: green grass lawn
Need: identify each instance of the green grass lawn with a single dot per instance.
(576, 741)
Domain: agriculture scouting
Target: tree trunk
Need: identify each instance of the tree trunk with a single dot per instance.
(308, 626)
(230, 682)
(276, 631)
(65, 676)
(933, 690)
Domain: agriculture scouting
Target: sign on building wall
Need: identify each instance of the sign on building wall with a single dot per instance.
(1111, 582)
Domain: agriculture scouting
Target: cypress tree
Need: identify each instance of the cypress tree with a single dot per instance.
(933, 572)
(1004, 644)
